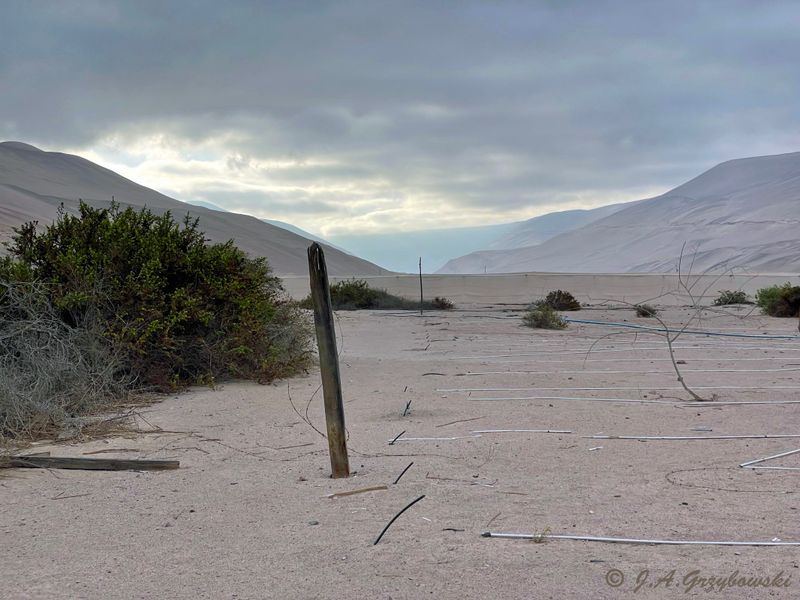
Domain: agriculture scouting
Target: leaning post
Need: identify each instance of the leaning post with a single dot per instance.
(328, 361)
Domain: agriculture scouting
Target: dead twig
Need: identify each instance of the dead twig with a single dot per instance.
(403, 473)
(389, 524)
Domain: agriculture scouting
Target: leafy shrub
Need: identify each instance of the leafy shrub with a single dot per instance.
(645, 310)
(176, 310)
(542, 316)
(779, 300)
(732, 297)
(356, 294)
(560, 300)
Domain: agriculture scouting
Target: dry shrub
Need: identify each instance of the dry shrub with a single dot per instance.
(561, 300)
(441, 303)
(645, 310)
(51, 373)
(727, 297)
(543, 316)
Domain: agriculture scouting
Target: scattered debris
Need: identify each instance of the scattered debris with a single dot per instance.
(407, 408)
(403, 473)
(397, 437)
(460, 421)
(92, 464)
(389, 524)
(374, 488)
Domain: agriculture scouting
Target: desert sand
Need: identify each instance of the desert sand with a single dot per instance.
(247, 515)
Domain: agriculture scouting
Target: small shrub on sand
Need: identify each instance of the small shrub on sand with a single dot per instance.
(779, 300)
(727, 297)
(646, 310)
(356, 294)
(543, 316)
(442, 303)
(561, 300)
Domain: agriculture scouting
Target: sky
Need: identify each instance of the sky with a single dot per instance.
(374, 117)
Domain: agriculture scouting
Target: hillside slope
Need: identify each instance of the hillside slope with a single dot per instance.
(34, 183)
(742, 214)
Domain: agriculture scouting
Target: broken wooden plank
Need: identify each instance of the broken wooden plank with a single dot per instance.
(91, 464)
(358, 491)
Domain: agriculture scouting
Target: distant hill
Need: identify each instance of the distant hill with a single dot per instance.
(540, 229)
(741, 214)
(400, 251)
(33, 183)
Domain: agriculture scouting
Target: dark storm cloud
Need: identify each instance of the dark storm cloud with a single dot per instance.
(502, 104)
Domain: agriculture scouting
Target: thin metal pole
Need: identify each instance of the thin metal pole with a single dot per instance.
(421, 300)
(328, 361)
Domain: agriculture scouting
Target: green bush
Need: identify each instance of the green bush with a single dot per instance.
(356, 294)
(176, 310)
(732, 297)
(542, 316)
(560, 300)
(779, 300)
(645, 310)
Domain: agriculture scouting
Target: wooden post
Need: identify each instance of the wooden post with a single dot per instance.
(421, 301)
(328, 361)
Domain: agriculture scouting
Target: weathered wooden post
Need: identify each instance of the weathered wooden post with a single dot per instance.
(328, 361)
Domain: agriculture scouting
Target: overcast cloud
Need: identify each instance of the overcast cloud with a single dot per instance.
(388, 116)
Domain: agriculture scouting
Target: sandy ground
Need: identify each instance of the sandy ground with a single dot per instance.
(246, 516)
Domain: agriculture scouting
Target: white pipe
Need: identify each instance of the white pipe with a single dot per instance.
(631, 372)
(760, 460)
(618, 540)
(432, 439)
(625, 360)
(520, 431)
(639, 388)
(776, 468)
(689, 437)
(693, 403)
(633, 349)
(671, 402)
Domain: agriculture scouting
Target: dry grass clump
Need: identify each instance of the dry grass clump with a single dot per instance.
(727, 297)
(645, 310)
(51, 373)
(542, 316)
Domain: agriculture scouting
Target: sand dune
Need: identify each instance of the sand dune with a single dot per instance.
(34, 183)
(741, 214)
